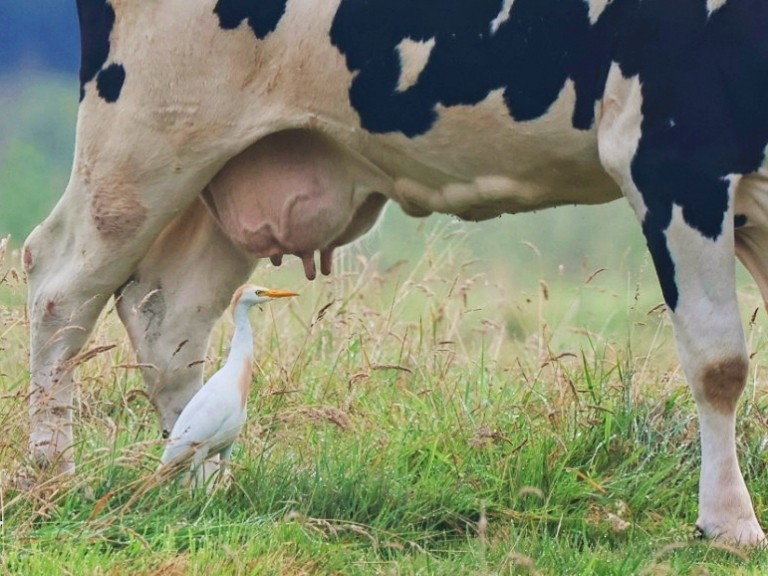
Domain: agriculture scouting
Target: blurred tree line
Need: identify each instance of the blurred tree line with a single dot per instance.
(37, 127)
(40, 34)
(39, 58)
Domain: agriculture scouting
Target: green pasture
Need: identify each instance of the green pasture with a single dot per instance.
(421, 419)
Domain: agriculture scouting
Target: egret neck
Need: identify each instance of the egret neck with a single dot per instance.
(241, 349)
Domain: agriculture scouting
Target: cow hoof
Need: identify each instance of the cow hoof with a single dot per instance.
(742, 532)
(24, 479)
(45, 456)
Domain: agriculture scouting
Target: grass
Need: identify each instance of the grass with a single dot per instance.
(421, 420)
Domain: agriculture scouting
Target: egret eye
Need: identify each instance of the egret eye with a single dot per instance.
(259, 292)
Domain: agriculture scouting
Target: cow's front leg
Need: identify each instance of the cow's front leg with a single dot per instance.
(698, 280)
(75, 260)
(63, 307)
(714, 358)
(687, 211)
(171, 302)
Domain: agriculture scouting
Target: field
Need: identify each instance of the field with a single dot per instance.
(428, 414)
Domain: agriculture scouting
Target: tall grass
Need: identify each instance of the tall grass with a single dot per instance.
(416, 417)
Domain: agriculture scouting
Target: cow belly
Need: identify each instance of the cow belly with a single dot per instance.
(296, 192)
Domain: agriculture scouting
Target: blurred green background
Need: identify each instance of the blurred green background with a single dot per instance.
(39, 55)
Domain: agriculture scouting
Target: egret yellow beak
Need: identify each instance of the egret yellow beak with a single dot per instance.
(279, 293)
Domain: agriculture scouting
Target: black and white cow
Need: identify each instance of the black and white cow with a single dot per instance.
(214, 133)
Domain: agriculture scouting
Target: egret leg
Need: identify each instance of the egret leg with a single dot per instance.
(198, 476)
(224, 457)
(226, 453)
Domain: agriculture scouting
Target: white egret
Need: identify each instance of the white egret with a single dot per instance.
(212, 420)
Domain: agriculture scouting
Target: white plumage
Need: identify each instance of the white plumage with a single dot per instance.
(211, 421)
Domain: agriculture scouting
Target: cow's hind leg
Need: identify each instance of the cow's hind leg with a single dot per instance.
(694, 254)
(751, 221)
(103, 225)
(171, 302)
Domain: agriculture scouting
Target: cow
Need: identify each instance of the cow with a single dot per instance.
(214, 133)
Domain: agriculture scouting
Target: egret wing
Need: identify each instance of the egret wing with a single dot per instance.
(213, 415)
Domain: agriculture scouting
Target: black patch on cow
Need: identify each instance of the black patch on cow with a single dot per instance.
(110, 82)
(97, 18)
(263, 16)
(705, 87)
(662, 259)
(739, 221)
(530, 57)
(704, 81)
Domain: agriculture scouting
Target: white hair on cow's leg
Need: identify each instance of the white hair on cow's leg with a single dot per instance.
(714, 358)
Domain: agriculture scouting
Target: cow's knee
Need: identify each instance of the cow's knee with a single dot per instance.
(722, 383)
(61, 318)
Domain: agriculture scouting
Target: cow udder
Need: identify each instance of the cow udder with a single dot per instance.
(296, 192)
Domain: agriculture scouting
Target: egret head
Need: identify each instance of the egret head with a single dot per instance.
(249, 295)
